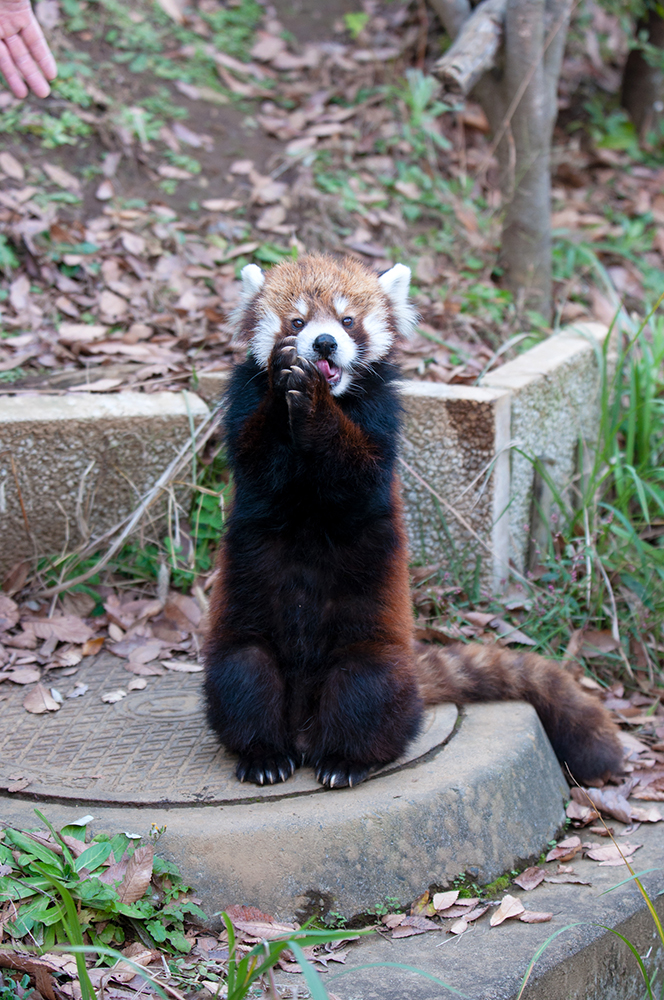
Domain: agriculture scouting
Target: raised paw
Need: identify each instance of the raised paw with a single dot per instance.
(268, 770)
(341, 773)
(304, 376)
(282, 359)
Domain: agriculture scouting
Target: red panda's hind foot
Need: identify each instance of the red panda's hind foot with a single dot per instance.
(268, 769)
(338, 773)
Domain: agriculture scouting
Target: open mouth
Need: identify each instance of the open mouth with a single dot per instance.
(331, 371)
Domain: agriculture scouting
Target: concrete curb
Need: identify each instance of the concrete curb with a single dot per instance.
(584, 962)
(77, 464)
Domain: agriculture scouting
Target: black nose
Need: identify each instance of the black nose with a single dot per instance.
(325, 344)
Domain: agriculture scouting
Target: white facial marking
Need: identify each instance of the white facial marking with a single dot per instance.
(267, 328)
(379, 334)
(395, 283)
(341, 305)
(343, 355)
(302, 307)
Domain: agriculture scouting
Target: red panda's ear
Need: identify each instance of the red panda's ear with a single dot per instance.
(395, 283)
(252, 281)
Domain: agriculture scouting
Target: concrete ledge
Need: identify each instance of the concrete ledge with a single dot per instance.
(555, 412)
(584, 962)
(81, 462)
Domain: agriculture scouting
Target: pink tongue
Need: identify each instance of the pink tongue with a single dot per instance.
(324, 367)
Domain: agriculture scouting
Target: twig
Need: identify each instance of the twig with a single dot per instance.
(20, 498)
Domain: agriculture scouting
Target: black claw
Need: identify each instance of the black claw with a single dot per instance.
(266, 770)
(341, 774)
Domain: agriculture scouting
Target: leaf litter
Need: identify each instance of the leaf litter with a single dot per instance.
(39, 642)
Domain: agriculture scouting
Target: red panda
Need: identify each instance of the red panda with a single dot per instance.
(310, 653)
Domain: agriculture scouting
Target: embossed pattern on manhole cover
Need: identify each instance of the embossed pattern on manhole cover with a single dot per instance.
(153, 747)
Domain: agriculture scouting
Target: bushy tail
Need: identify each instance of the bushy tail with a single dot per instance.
(581, 731)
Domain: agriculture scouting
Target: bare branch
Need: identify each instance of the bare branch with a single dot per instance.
(474, 51)
(452, 14)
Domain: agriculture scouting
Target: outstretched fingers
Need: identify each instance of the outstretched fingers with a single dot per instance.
(31, 60)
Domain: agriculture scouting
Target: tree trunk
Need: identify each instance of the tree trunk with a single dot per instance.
(524, 161)
(643, 84)
(519, 97)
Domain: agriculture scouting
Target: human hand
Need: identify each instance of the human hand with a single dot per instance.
(25, 58)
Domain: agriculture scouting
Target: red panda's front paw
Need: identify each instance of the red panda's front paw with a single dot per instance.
(303, 390)
(282, 359)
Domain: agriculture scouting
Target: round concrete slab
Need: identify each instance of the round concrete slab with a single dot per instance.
(151, 748)
(479, 790)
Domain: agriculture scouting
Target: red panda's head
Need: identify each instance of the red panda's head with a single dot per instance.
(344, 315)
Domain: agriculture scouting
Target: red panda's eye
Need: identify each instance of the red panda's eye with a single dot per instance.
(347, 321)
(297, 324)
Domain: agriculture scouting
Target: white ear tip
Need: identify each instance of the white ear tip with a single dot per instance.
(401, 272)
(397, 279)
(252, 279)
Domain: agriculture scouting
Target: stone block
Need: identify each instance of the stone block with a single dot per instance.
(555, 391)
(455, 472)
(76, 464)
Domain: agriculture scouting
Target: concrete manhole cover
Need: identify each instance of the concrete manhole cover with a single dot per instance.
(153, 747)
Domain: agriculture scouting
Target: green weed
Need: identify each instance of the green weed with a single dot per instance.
(59, 897)
(355, 22)
(8, 990)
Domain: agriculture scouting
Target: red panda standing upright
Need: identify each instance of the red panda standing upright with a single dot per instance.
(310, 655)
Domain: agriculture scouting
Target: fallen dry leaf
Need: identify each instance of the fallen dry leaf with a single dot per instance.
(605, 800)
(533, 917)
(414, 925)
(34, 967)
(581, 814)
(564, 877)
(442, 900)
(530, 878)
(565, 850)
(21, 675)
(509, 907)
(11, 166)
(92, 646)
(182, 666)
(596, 643)
(137, 875)
(110, 697)
(64, 628)
(458, 927)
(612, 854)
(38, 701)
(9, 613)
